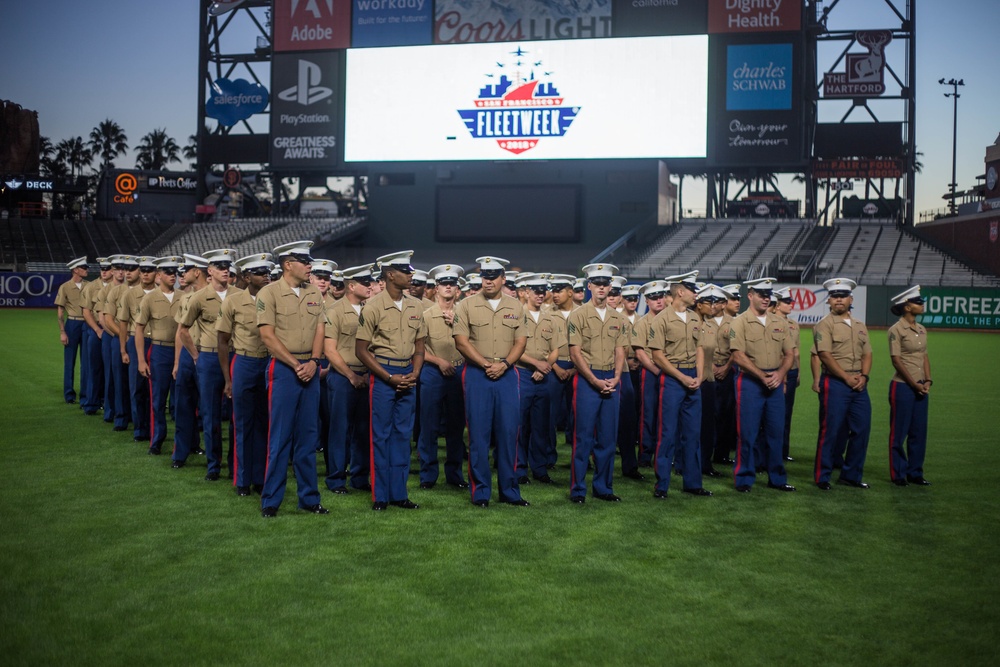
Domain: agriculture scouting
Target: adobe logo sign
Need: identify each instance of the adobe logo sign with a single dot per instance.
(311, 25)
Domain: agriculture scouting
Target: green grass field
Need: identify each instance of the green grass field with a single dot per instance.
(111, 557)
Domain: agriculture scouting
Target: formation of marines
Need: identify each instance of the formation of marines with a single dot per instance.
(359, 365)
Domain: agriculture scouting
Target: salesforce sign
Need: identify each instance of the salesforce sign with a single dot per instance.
(233, 101)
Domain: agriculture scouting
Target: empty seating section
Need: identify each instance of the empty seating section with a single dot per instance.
(31, 240)
(258, 234)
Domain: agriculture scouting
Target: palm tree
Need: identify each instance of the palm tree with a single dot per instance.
(191, 150)
(74, 153)
(156, 151)
(108, 141)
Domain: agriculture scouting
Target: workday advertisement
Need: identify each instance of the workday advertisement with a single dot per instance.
(528, 100)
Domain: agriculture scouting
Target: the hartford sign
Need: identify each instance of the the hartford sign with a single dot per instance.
(864, 74)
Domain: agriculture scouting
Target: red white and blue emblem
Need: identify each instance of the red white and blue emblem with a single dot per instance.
(519, 105)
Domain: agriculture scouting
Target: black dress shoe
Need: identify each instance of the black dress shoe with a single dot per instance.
(823, 486)
(119, 428)
(177, 464)
(634, 474)
(364, 487)
(856, 485)
(153, 451)
(712, 472)
(743, 488)
(378, 507)
(919, 481)
(550, 466)
(789, 458)
(140, 438)
(520, 502)
(258, 489)
(781, 487)
(243, 490)
(579, 500)
(427, 485)
(544, 479)
(199, 451)
(340, 491)
(90, 413)
(269, 512)
(698, 492)
(405, 504)
(900, 482)
(523, 479)
(459, 485)
(608, 497)
(660, 494)
(71, 401)
(315, 509)
(724, 461)
(481, 503)
(212, 477)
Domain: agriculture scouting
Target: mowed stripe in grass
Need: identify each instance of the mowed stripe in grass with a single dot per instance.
(109, 556)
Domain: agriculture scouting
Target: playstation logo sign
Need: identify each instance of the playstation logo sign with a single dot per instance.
(307, 89)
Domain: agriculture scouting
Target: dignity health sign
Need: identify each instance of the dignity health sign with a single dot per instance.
(589, 99)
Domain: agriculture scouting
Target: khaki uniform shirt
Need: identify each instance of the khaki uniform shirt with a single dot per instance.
(99, 298)
(764, 344)
(111, 299)
(793, 331)
(597, 340)
(439, 340)
(848, 343)
(678, 339)
(204, 307)
(909, 343)
(294, 318)
(391, 332)
(156, 314)
(342, 326)
(238, 318)
(194, 330)
(722, 352)
(560, 329)
(709, 339)
(70, 297)
(90, 294)
(491, 332)
(128, 306)
(541, 336)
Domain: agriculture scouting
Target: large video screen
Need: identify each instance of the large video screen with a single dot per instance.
(579, 99)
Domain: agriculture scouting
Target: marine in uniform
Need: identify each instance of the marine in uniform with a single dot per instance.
(245, 372)
(157, 321)
(120, 370)
(844, 348)
(347, 387)
(762, 351)
(655, 293)
(418, 284)
(725, 379)
(909, 390)
(203, 308)
(536, 444)
(337, 286)
(674, 341)
(109, 341)
(390, 343)
(441, 405)
(320, 275)
(628, 416)
(92, 334)
(291, 324)
(563, 371)
(128, 311)
(597, 339)
(783, 308)
(710, 301)
(489, 332)
(193, 278)
(69, 314)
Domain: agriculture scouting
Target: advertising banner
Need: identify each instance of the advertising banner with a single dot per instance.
(30, 290)
(809, 303)
(960, 308)
(644, 18)
(864, 73)
(462, 22)
(743, 16)
(755, 102)
(571, 99)
(305, 110)
(392, 22)
(312, 25)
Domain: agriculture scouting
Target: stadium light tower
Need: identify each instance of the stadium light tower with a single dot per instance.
(954, 134)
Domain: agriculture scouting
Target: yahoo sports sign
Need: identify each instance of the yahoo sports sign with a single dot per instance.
(30, 290)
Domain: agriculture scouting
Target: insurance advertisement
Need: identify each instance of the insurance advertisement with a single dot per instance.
(598, 99)
(809, 303)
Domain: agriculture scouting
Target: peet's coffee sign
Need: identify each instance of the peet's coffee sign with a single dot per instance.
(746, 16)
(171, 184)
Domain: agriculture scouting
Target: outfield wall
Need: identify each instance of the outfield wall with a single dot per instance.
(974, 308)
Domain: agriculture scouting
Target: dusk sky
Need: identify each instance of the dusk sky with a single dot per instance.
(78, 63)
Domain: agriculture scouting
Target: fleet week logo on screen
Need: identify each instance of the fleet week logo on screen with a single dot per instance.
(518, 106)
